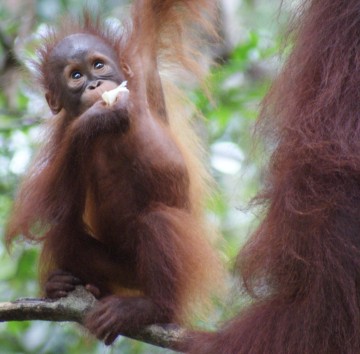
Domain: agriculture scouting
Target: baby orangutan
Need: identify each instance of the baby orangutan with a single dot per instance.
(115, 191)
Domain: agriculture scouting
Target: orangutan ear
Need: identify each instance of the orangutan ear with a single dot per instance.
(53, 103)
(127, 70)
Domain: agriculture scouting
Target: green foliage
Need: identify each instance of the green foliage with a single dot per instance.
(237, 86)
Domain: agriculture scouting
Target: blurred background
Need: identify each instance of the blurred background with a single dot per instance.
(247, 60)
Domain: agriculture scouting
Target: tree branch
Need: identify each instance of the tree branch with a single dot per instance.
(74, 307)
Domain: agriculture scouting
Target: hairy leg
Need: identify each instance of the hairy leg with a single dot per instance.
(160, 267)
(78, 259)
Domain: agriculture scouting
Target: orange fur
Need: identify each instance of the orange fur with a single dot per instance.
(302, 264)
(60, 195)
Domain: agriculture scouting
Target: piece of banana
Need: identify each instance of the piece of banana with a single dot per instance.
(110, 96)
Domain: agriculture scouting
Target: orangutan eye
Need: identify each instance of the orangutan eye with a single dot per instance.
(76, 75)
(98, 64)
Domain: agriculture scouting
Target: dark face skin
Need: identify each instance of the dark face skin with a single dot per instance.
(84, 67)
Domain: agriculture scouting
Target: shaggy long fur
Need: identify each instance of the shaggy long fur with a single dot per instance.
(302, 264)
(158, 246)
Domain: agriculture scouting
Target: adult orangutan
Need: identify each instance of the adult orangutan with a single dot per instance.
(302, 264)
(116, 193)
